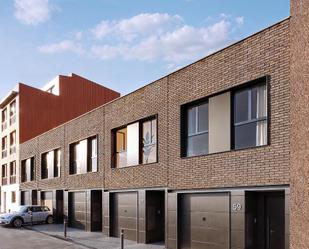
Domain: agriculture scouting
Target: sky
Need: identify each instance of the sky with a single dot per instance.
(121, 44)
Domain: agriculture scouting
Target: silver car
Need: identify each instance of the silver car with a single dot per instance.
(27, 215)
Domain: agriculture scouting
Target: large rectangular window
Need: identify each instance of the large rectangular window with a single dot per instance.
(250, 117)
(13, 172)
(4, 174)
(50, 164)
(28, 170)
(13, 142)
(83, 156)
(196, 130)
(4, 147)
(135, 144)
(4, 119)
(13, 112)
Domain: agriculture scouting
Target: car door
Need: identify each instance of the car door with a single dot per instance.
(36, 214)
(27, 215)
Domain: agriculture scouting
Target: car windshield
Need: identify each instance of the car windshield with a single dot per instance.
(21, 209)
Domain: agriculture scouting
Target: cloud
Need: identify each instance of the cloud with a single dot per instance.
(150, 37)
(60, 47)
(181, 44)
(32, 12)
(139, 25)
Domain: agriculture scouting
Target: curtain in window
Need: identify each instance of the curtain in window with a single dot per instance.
(261, 127)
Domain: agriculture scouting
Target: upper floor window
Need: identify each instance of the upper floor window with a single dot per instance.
(196, 133)
(83, 156)
(250, 117)
(13, 112)
(135, 144)
(13, 172)
(4, 174)
(27, 170)
(4, 119)
(50, 164)
(13, 142)
(4, 147)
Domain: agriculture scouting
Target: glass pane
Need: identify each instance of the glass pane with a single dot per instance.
(147, 133)
(241, 99)
(254, 93)
(121, 159)
(192, 120)
(121, 136)
(245, 136)
(133, 144)
(197, 145)
(150, 154)
(203, 117)
(154, 130)
(50, 163)
(261, 101)
(82, 157)
(261, 133)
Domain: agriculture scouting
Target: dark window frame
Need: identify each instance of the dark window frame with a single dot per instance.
(183, 120)
(23, 170)
(140, 156)
(45, 171)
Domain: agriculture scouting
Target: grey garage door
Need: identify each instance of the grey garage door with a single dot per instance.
(124, 214)
(204, 221)
(77, 209)
(47, 199)
(25, 198)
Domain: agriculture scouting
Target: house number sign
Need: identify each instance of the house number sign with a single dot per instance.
(236, 207)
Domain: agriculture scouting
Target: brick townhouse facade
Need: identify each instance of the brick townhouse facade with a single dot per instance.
(213, 155)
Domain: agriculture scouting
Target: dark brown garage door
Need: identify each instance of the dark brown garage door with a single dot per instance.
(124, 215)
(47, 199)
(204, 221)
(77, 209)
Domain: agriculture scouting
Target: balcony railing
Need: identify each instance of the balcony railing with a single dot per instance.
(12, 119)
(4, 153)
(4, 181)
(4, 125)
(13, 179)
(13, 149)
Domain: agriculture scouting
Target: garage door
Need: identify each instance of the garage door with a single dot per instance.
(124, 215)
(77, 209)
(204, 221)
(47, 199)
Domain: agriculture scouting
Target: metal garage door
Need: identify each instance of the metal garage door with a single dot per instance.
(124, 215)
(47, 199)
(77, 209)
(204, 221)
(25, 198)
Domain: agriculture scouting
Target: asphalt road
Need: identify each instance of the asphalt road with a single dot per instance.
(26, 239)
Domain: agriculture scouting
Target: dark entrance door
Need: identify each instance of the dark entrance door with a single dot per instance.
(155, 216)
(25, 198)
(59, 206)
(96, 210)
(265, 220)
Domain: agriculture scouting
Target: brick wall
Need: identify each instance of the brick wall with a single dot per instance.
(265, 53)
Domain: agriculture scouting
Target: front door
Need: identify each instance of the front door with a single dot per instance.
(275, 222)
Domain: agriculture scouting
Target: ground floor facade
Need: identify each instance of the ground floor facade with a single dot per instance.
(251, 217)
(10, 197)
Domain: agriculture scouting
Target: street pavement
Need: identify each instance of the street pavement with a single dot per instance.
(51, 237)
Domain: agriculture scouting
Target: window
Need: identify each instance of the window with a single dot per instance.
(4, 147)
(27, 170)
(50, 164)
(150, 141)
(4, 119)
(83, 156)
(13, 197)
(4, 174)
(196, 130)
(13, 112)
(13, 142)
(135, 144)
(13, 172)
(250, 117)
(92, 154)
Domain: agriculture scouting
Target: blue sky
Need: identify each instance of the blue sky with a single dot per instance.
(122, 44)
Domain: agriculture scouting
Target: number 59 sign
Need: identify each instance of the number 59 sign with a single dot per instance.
(236, 206)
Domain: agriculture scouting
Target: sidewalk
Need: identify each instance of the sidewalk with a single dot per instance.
(91, 240)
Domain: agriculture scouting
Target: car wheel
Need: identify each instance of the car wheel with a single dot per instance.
(50, 220)
(17, 223)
